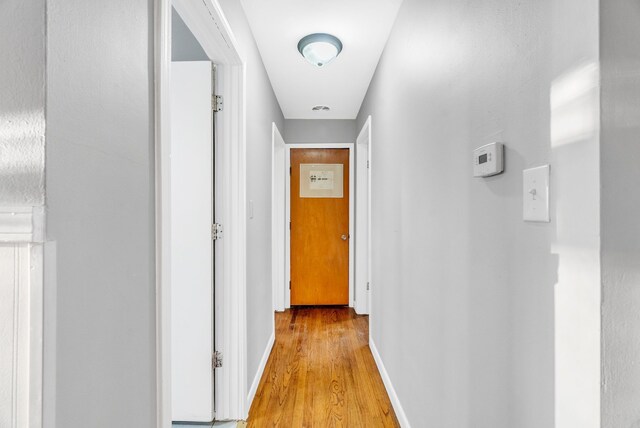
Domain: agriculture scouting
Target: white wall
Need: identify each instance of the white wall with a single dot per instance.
(101, 210)
(22, 45)
(297, 131)
(575, 180)
(467, 299)
(262, 111)
(620, 153)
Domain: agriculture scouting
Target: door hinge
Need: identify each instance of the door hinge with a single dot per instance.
(217, 104)
(289, 225)
(216, 231)
(289, 285)
(216, 360)
(289, 170)
(367, 164)
(367, 286)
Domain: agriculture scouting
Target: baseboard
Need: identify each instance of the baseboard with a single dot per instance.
(395, 401)
(263, 364)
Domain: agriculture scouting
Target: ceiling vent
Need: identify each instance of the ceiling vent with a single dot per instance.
(321, 108)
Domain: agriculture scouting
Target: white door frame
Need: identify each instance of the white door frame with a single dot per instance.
(363, 219)
(24, 251)
(207, 22)
(278, 217)
(350, 146)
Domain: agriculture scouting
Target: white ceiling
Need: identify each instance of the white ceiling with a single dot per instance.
(363, 26)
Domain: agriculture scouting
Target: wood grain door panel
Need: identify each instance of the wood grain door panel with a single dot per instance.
(319, 254)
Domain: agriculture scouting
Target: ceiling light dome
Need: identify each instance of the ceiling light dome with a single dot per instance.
(320, 48)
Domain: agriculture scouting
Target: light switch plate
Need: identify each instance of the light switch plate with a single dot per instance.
(535, 194)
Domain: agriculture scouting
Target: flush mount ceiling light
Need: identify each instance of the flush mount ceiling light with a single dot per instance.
(320, 48)
(320, 108)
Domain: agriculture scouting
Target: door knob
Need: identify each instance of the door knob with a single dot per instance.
(344, 237)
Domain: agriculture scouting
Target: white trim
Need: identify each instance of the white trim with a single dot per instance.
(352, 192)
(22, 224)
(36, 332)
(261, 367)
(230, 310)
(393, 396)
(208, 23)
(278, 218)
(363, 221)
(22, 230)
(50, 317)
(162, 149)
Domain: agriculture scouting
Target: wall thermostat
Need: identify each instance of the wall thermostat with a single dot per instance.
(488, 160)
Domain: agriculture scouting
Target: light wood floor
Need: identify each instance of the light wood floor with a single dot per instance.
(321, 374)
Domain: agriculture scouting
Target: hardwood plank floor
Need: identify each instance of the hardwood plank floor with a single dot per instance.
(321, 374)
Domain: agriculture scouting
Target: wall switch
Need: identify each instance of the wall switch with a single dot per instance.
(250, 209)
(535, 194)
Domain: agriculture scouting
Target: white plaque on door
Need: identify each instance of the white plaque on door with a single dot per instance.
(321, 180)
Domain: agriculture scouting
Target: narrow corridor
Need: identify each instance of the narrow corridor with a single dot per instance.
(321, 373)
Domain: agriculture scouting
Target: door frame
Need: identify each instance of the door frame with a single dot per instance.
(363, 217)
(208, 24)
(350, 146)
(278, 218)
(32, 260)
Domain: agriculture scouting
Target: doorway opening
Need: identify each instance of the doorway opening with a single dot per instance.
(190, 169)
(330, 263)
(319, 227)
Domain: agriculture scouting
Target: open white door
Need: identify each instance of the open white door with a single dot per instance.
(192, 292)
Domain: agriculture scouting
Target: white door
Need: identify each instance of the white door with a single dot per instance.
(192, 332)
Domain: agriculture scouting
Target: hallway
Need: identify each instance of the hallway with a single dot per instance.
(321, 373)
(177, 201)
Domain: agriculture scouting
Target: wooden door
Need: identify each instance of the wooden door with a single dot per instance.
(320, 226)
